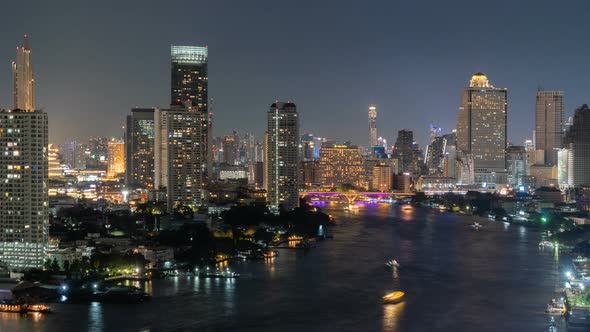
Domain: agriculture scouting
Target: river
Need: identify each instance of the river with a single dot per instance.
(455, 279)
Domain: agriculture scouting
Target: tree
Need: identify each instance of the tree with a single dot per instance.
(47, 264)
(54, 266)
(67, 266)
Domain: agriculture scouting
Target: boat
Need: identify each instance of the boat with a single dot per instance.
(269, 253)
(392, 263)
(407, 207)
(546, 244)
(39, 308)
(394, 297)
(476, 225)
(13, 307)
(556, 307)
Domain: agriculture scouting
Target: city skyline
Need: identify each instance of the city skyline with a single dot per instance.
(391, 78)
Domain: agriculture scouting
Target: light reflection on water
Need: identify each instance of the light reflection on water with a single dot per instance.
(392, 314)
(95, 322)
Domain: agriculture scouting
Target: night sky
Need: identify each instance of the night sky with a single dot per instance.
(94, 62)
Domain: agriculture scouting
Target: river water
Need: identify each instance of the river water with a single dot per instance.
(455, 279)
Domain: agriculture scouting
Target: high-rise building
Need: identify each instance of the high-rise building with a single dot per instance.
(434, 157)
(53, 162)
(282, 162)
(372, 125)
(180, 155)
(230, 149)
(341, 164)
(24, 205)
(577, 141)
(481, 129)
(116, 158)
(189, 89)
(139, 148)
(549, 124)
(23, 81)
(24, 209)
(404, 151)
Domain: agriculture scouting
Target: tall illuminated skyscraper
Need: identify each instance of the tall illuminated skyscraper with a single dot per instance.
(23, 81)
(577, 141)
(24, 206)
(139, 148)
(282, 162)
(549, 124)
(372, 126)
(481, 129)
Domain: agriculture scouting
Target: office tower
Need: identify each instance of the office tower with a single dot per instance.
(53, 162)
(116, 158)
(180, 155)
(250, 148)
(341, 164)
(434, 156)
(481, 129)
(372, 125)
(516, 164)
(139, 148)
(23, 81)
(562, 168)
(189, 90)
(577, 141)
(404, 151)
(549, 124)
(307, 147)
(281, 162)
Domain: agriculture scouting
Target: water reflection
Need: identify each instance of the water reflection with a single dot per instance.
(392, 314)
(95, 322)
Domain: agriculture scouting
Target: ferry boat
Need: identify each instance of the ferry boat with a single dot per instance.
(39, 308)
(392, 263)
(476, 225)
(13, 307)
(394, 297)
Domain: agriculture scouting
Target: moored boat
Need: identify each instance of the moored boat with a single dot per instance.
(39, 308)
(394, 297)
(13, 307)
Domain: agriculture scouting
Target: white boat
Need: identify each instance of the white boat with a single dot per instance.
(546, 244)
(392, 263)
(476, 225)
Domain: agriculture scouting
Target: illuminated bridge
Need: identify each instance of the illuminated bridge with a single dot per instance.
(351, 196)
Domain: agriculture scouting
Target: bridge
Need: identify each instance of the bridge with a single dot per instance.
(351, 196)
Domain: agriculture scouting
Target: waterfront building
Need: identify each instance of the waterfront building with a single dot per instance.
(578, 144)
(435, 184)
(481, 129)
(549, 124)
(381, 178)
(340, 164)
(309, 173)
(372, 125)
(404, 151)
(282, 156)
(516, 164)
(139, 148)
(180, 155)
(116, 158)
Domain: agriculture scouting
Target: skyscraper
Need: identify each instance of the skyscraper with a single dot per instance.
(179, 155)
(139, 148)
(24, 206)
(281, 162)
(481, 129)
(372, 126)
(549, 124)
(404, 151)
(578, 143)
(23, 81)
(189, 90)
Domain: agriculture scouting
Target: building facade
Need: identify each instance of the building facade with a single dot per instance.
(116, 158)
(372, 126)
(282, 156)
(404, 151)
(549, 124)
(482, 127)
(578, 144)
(341, 164)
(139, 148)
(24, 203)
